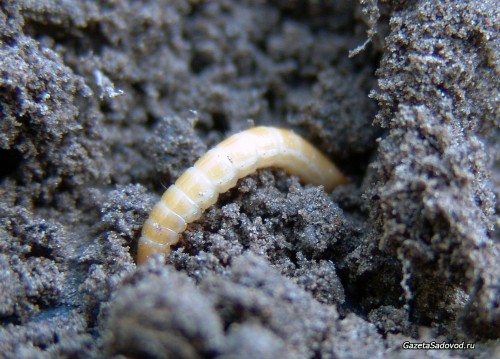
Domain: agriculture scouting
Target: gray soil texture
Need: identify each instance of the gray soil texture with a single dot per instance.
(104, 103)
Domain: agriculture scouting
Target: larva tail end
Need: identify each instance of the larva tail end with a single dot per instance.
(146, 248)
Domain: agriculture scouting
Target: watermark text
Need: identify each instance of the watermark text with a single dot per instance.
(438, 345)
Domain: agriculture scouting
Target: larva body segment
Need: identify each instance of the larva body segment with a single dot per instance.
(220, 169)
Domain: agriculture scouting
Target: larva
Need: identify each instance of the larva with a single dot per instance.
(219, 170)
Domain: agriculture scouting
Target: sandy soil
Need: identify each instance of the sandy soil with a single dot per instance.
(105, 103)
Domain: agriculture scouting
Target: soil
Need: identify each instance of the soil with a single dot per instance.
(103, 104)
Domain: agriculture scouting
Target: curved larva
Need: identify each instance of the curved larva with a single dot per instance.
(219, 170)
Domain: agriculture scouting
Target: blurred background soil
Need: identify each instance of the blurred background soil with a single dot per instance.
(103, 104)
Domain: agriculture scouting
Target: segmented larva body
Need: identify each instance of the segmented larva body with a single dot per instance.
(220, 169)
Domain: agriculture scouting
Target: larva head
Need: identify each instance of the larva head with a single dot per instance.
(334, 178)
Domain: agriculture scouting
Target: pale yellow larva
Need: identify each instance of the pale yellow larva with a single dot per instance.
(219, 170)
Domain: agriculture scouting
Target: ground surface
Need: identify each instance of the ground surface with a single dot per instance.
(104, 103)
